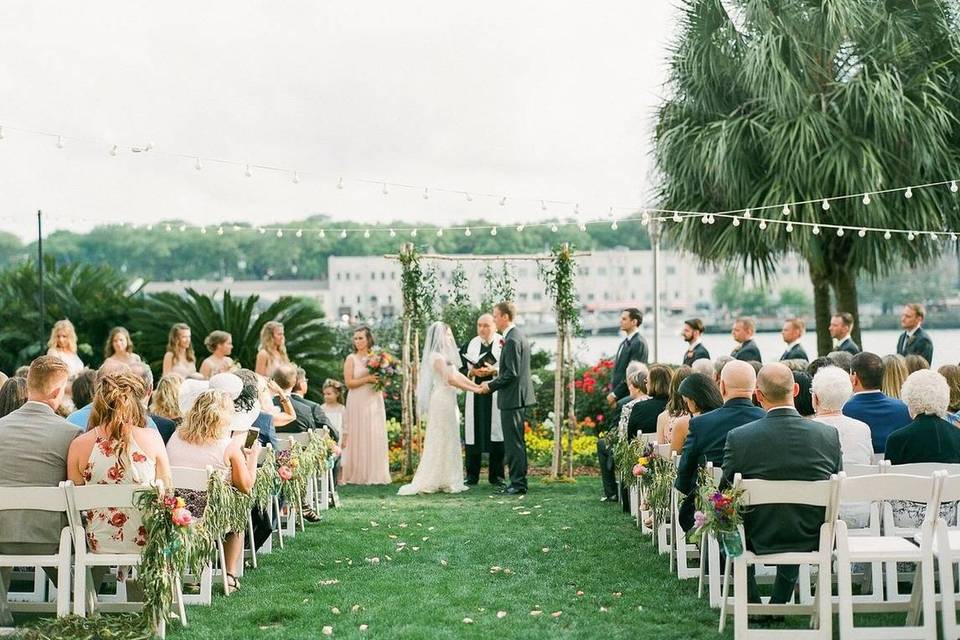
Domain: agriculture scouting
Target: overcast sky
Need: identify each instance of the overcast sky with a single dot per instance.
(542, 99)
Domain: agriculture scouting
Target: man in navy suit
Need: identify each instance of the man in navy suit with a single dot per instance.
(883, 414)
(781, 446)
(633, 348)
(914, 340)
(792, 332)
(708, 432)
(841, 324)
(692, 330)
(747, 350)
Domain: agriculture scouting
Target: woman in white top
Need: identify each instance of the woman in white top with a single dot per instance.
(831, 388)
(179, 357)
(204, 440)
(63, 344)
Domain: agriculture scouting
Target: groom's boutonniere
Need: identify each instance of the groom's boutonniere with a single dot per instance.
(502, 342)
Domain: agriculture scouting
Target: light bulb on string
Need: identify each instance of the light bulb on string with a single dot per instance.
(862, 233)
(366, 233)
(887, 235)
(59, 142)
(553, 228)
(911, 236)
(711, 219)
(168, 227)
(393, 234)
(114, 150)
(299, 233)
(339, 183)
(279, 233)
(746, 214)
(576, 209)
(677, 218)
(866, 199)
(296, 177)
(786, 210)
(439, 233)
(908, 193)
(219, 231)
(736, 222)
(934, 235)
(704, 219)
(503, 201)
(384, 190)
(953, 186)
(840, 232)
(953, 237)
(583, 227)
(198, 164)
(183, 228)
(763, 224)
(825, 205)
(426, 193)
(816, 230)
(467, 232)
(789, 228)
(203, 230)
(343, 233)
(493, 231)
(613, 225)
(413, 233)
(322, 234)
(520, 228)
(468, 196)
(543, 206)
(248, 171)
(262, 230)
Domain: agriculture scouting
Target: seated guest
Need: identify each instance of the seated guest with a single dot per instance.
(792, 333)
(220, 346)
(676, 411)
(22, 372)
(831, 389)
(818, 364)
(841, 359)
(204, 440)
(704, 366)
(81, 416)
(718, 366)
(82, 388)
(165, 401)
(841, 324)
(700, 395)
(63, 344)
(264, 421)
(951, 373)
(746, 350)
(894, 374)
(636, 385)
(3, 378)
(284, 377)
(804, 400)
(915, 362)
(164, 425)
(643, 415)
(33, 447)
(881, 413)
(708, 432)
(793, 448)
(299, 395)
(13, 395)
(117, 449)
(928, 437)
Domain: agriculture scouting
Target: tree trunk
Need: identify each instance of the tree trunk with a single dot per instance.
(821, 309)
(845, 290)
(558, 407)
(571, 404)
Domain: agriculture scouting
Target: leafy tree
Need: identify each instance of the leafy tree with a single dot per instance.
(458, 312)
(776, 101)
(728, 291)
(310, 343)
(793, 300)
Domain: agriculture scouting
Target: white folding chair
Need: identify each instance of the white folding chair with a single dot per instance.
(189, 479)
(105, 496)
(892, 528)
(51, 500)
(293, 511)
(873, 576)
(820, 493)
(946, 549)
(889, 549)
(664, 529)
(682, 552)
(710, 554)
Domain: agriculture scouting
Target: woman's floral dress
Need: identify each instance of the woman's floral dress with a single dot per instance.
(116, 530)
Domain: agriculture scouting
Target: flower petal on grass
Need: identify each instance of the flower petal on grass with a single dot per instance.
(536, 612)
(328, 630)
(468, 621)
(557, 614)
(501, 614)
(363, 627)
(335, 611)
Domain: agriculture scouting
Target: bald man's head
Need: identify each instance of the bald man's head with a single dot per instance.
(737, 380)
(775, 386)
(485, 327)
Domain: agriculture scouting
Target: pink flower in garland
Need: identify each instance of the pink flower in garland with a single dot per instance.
(181, 517)
(699, 519)
(639, 470)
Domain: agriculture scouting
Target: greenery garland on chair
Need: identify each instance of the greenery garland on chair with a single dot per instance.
(267, 481)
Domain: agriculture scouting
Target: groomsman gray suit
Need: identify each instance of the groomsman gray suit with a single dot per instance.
(33, 447)
(514, 394)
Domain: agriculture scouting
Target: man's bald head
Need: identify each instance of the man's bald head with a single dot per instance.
(775, 386)
(737, 380)
(485, 327)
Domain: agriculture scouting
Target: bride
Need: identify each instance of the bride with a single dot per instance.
(441, 463)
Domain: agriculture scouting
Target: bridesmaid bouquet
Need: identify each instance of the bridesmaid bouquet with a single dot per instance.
(385, 367)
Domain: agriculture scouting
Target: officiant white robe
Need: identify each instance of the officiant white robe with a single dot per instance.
(496, 430)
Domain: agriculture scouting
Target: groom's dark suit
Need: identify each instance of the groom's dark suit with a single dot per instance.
(514, 394)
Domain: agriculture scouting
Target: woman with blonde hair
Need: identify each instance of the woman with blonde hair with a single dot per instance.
(675, 414)
(273, 349)
(894, 374)
(119, 348)
(117, 449)
(63, 344)
(165, 401)
(179, 357)
(220, 346)
(204, 440)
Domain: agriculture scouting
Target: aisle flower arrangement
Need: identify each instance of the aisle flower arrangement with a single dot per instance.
(719, 513)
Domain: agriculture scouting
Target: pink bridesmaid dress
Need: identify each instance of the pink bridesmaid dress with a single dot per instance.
(365, 423)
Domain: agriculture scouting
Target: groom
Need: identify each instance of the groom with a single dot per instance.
(514, 393)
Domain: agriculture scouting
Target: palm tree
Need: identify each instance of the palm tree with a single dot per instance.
(310, 342)
(775, 101)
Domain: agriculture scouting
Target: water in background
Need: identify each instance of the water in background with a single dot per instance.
(946, 345)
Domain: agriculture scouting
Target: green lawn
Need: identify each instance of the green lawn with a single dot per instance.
(470, 556)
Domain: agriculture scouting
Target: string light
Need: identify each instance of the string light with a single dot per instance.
(613, 226)
(887, 235)
(520, 228)
(279, 233)
(198, 164)
(296, 178)
(248, 172)
(503, 201)
(866, 199)
(746, 214)
(789, 228)
(168, 227)
(469, 197)
(299, 233)
(862, 233)
(582, 227)
(468, 233)
(908, 193)
(736, 221)
(440, 232)
(413, 233)
(262, 230)
(576, 209)
(677, 218)
(203, 230)
(59, 142)
(343, 233)
(953, 186)
(825, 205)
(493, 231)
(393, 234)
(840, 232)
(219, 231)
(322, 234)
(786, 210)
(385, 191)
(339, 183)
(543, 206)
(553, 228)
(911, 236)
(426, 193)
(114, 150)
(816, 230)
(763, 224)
(366, 233)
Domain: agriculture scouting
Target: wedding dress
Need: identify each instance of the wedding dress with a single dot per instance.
(441, 461)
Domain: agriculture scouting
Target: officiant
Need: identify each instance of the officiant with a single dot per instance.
(482, 430)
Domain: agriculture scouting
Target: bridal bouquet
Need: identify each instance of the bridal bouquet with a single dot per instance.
(719, 513)
(385, 367)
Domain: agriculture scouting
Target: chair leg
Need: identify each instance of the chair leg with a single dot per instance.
(845, 597)
(740, 622)
(253, 544)
(178, 600)
(725, 591)
(948, 609)
(929, 598)
(223, 566)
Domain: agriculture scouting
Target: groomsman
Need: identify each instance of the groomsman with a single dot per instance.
(841, 324)
(692, 330)
(914, 340)
(747, 350)
(633, 347)
(483, 432)
(792, 332)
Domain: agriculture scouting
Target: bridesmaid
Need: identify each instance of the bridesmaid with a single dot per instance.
(179, 357)
(273, 349)
(220, 346)
(119, 348)
(365, 422)
(63, 344)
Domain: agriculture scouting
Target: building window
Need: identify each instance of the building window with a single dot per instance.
(602, 271)
(390, 299)
(346, 276)
(338, 276)
(590, 296)
(393, 275)
(538, 296)
(358, 299)
(636, 271)
(523, 297)
(343, 300)
(621, 271)
(383, 275)
(671, 270)
(373, 276)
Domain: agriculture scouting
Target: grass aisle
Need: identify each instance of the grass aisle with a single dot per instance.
(415, 568)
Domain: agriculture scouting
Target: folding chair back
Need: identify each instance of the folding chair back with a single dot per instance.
(887, 486)
(190, 479)
(857, 470)
(921, 468)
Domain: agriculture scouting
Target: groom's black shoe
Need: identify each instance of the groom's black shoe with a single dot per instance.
(513, 491)
(471, 481)
(500, 484)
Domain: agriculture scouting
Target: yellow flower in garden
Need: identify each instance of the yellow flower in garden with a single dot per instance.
(643, 460)
(294, 462)
(181, 503)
